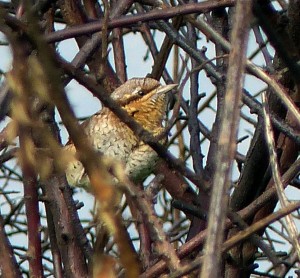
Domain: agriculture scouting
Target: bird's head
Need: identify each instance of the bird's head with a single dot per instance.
(145, 99)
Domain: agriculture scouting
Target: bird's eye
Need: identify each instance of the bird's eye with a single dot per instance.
(138, 92)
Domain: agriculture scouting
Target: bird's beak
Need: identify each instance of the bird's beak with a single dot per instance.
(165, 88)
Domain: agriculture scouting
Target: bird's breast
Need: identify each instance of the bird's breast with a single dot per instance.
(111, 137)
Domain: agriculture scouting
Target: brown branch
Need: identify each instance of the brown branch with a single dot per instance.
(8, 264)
(253, 69)
(119, 54)
(118, 47)
(73, 258)
(245, 213)
(239, 237)
(161, 58)
(162, 245)
(129, 20)
(257, 226)
(226, 142)
(149, 40)
(32, 207)
(56, 255)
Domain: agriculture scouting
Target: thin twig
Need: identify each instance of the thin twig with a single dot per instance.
(291, 226)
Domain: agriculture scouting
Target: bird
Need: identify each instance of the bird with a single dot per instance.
(146, 101)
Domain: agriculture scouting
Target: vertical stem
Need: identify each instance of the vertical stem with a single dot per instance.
(8, 263)
(32, 207)
(227, 141)
(291, 226)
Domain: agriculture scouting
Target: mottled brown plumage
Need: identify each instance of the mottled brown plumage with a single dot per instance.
(144, 99)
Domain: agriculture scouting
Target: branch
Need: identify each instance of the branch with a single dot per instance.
(157, 14)
(227, 141)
